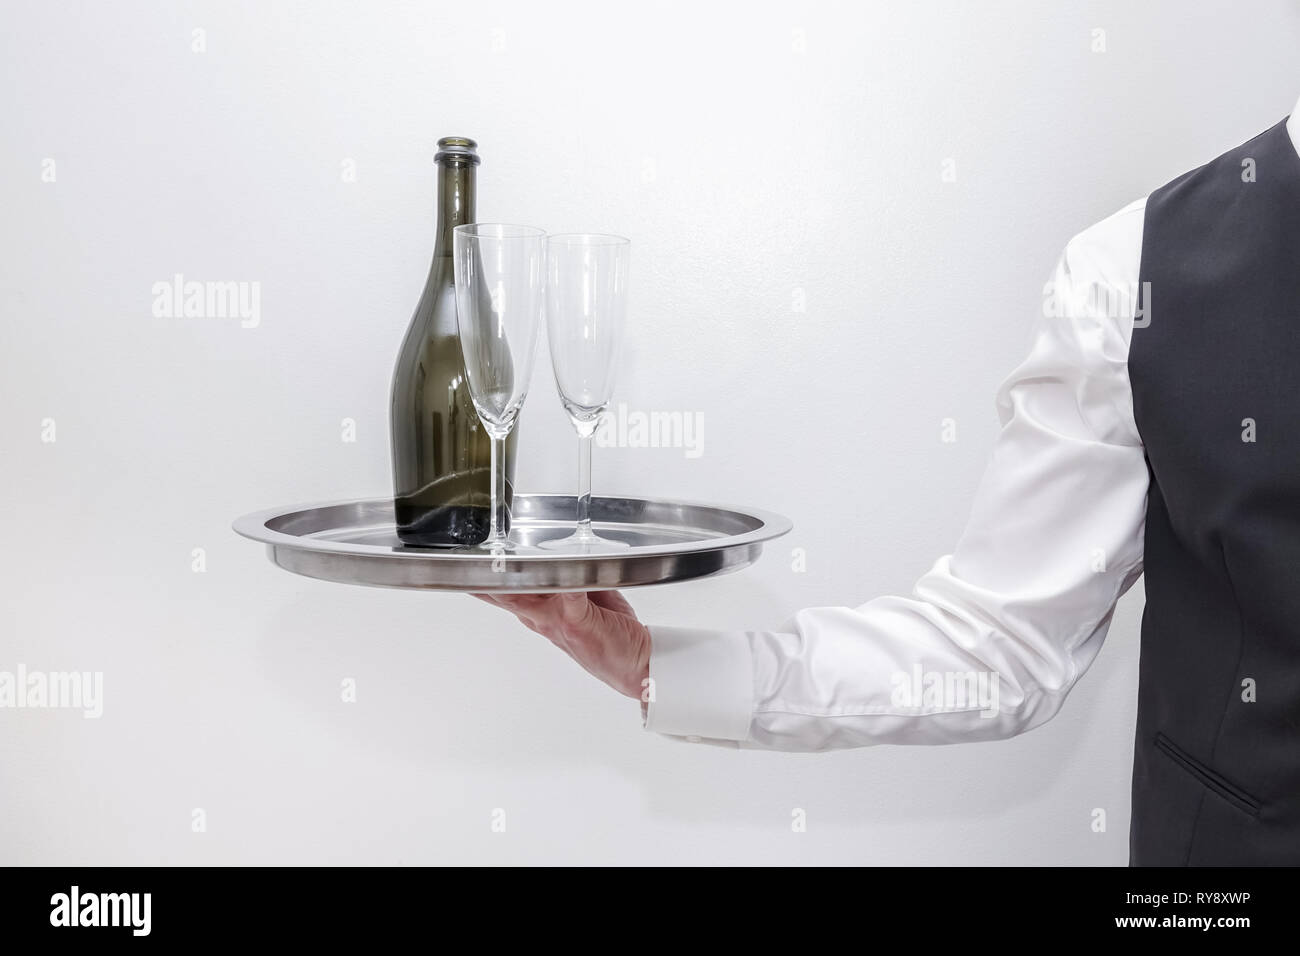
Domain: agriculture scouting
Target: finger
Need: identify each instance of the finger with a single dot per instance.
(531, 609)
(520, 609)
(574, 610)
(538, 627)
(612, 601)
(512, 603)
(535, 605)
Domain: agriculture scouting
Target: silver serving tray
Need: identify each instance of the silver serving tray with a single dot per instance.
(355, 542)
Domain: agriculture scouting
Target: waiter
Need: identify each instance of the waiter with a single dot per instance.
(1154, 426)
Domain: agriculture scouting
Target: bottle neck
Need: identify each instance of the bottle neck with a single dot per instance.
(456, 183)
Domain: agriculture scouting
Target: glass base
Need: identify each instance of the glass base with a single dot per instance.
(579, 543)
(496, 547)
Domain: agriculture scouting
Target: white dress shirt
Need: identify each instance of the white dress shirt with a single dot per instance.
(992, 637)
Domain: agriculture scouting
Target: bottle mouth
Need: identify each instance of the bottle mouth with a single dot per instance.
(457, 151)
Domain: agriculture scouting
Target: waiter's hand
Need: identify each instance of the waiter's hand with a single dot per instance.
(598, 629)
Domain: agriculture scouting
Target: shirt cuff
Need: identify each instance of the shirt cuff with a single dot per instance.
(701, 683)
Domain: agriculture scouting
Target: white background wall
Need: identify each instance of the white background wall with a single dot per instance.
(743, 170)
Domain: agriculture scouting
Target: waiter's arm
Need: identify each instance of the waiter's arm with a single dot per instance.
(994, 635)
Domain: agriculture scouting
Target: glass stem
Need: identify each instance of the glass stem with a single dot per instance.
(497, 519)
(584, 485)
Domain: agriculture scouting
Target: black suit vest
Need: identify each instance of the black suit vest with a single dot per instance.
(1216, 397)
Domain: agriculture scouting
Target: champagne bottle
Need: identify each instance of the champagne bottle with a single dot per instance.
(441, 452)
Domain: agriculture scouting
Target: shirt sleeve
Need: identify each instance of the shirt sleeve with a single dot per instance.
(994, 635)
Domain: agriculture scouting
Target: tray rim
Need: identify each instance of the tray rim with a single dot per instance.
(253, 526)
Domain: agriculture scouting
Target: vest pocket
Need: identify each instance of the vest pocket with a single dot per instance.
(1209, 778)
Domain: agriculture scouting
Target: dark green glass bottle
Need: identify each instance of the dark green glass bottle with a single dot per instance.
(441, 453)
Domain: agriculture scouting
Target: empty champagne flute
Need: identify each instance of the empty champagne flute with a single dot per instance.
(500, 277)
(586, 305)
